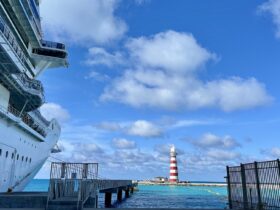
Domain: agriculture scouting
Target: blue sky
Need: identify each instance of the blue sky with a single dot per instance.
(147, 74)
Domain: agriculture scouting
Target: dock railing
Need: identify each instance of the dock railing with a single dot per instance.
(254, 185)
(78, 182)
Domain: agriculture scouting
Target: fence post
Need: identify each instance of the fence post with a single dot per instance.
(258, 186)
(278, 161)
(228, 188)
(243, 179)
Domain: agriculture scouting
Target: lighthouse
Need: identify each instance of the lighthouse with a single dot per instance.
(173, 178)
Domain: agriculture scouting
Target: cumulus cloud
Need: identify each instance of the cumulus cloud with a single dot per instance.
(273, 152)
(141, 128)
(123, 144)
(209, 140)
(144, 128)
(169, 50)
(99, 56)
(273, 8)
(83, 21)
(164, 75)
(54, 111)
(223, 155)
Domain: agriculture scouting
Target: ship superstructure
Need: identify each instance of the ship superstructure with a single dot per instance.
(26, 137)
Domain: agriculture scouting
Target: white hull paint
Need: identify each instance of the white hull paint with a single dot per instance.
(22, 153)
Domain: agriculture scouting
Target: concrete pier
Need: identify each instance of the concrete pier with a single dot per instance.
(119, 195)
(108, 199)
(73, 186)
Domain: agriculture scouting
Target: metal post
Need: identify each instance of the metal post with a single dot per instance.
(229, 188)
(258, 186)
(23, 108)
(63, 168)
(85, 170)
(119, 195)
(243, 179)
(278, 161)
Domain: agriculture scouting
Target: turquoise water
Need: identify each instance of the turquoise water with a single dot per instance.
(156, 196)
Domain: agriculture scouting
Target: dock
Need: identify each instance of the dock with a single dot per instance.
(73, 186)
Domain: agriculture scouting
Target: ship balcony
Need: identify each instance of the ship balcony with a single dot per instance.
(37, 126)
(53, 45)
(50, 53)
(32, 90)
(28, 15)
(9, 38)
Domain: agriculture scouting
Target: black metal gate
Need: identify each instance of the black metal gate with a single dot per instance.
(254, 185)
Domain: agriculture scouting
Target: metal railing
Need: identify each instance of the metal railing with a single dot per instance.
(28, 120)
(6, 31)
(78, 180)
(55, 45)
(254, 185)
(31, 85)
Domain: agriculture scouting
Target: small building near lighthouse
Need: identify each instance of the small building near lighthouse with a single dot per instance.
(173, 177)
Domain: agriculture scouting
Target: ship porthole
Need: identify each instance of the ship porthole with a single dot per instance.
(17, 156)
(7, 153)
(0, 152)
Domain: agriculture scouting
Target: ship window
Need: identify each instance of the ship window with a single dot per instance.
(7, 153)
(17, 156)
(0, 152)
(26, 159)
(22, 158)
(13, 155)
(29, 160)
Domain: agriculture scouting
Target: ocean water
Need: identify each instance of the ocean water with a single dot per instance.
(158, 196)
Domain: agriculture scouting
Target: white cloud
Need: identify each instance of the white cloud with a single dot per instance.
(99, 56)
(273, 7)
(141, 128)
(98, 76)
(188, 123)
(164, 75)
(154, 88)
(83, 20)
(273, 152)
(209, 140)
(144, 128)
(169, 50)
(222, 155)
(53, 110)
(123, 144)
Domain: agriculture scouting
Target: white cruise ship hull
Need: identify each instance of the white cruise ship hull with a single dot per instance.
(21, 153)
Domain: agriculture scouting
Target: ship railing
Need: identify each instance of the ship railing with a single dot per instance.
(35, 18)
(40, 117)
(6, 31)
(55, 45)
(28, 120)
(32, 85)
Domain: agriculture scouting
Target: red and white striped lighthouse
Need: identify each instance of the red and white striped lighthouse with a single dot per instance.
(173, 178)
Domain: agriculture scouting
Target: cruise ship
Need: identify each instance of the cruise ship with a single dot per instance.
(26, 138)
